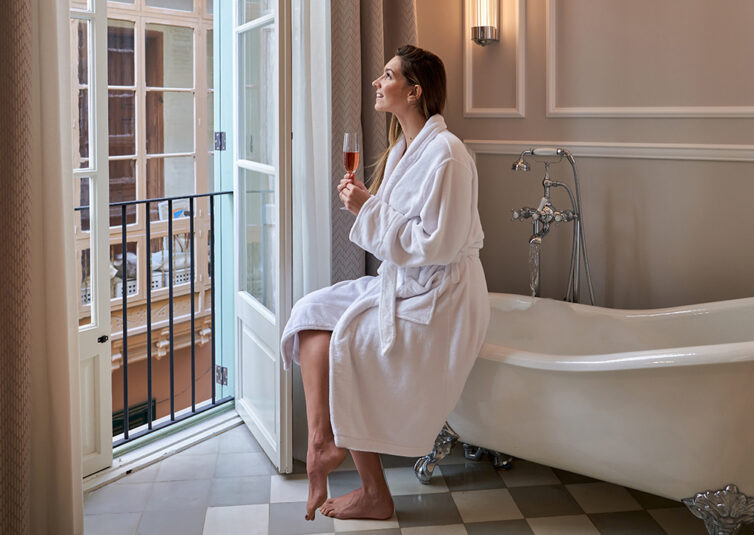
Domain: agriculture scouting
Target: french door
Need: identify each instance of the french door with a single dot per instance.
(88, 34)
(262, 193)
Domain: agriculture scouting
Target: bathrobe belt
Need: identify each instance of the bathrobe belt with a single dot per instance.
(388, 296)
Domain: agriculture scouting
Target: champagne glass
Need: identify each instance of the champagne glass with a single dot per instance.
(350, 155)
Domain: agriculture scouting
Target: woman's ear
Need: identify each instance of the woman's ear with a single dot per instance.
(415, 94)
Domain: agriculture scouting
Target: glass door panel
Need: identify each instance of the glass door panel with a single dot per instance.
(257, 52)
(260, 237)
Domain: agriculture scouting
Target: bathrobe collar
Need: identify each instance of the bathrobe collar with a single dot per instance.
(398, 162)
(396, 166)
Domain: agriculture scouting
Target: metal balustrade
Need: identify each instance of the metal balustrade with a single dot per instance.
(127, 290)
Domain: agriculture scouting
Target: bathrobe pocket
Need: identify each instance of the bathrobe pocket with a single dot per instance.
(418, 305)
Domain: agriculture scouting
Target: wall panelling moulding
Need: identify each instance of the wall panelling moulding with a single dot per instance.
(507, 7)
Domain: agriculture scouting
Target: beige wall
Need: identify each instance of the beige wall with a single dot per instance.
(656, 103)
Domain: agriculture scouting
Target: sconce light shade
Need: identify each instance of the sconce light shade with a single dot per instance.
(485, 21)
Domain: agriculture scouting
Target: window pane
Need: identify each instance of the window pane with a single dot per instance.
(120, 53)
(160, 277)
(260, 237)
(258, 77)
(170, 177)
(122, 188)
(80, 79)
(252, 9)
(122, 1)
(169, 59)
(116, 268)
(121, 122)
(84, 266)
(81, 200)
(83, 251)
(211, 173)
(210, 7)
(181, 5)
(211, 121)
(210, 59)
(80, 4)
(170, 122)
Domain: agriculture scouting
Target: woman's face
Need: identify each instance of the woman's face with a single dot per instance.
(392, 89)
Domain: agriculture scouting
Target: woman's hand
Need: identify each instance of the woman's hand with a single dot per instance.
(352, 193)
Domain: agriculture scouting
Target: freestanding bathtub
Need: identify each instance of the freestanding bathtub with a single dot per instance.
(657, 400)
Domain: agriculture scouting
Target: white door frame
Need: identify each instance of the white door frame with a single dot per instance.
(94, 344)
(258, 330)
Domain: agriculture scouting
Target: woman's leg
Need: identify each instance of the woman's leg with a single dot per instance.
(372, 500)
(322, 456)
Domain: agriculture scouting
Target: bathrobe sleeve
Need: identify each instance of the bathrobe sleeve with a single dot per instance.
(435, 236)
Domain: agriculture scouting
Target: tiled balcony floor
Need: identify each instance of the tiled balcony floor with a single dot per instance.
(227, 486)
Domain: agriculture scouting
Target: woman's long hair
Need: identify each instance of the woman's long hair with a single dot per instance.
(419, 67)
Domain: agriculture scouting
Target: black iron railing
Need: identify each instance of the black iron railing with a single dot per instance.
(152, 424)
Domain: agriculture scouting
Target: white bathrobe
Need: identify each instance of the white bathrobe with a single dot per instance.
(403, 343)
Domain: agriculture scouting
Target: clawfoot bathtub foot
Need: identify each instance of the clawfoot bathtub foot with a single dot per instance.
(443, 444)
(723, 511)
(499, 460)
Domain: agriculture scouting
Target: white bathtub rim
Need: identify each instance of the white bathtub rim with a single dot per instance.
(654, 358)
(525, 301)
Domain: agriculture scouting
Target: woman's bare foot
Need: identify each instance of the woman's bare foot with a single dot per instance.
(359, 504)
(322, 458)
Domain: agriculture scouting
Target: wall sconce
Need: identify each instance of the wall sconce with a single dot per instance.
(484, 21)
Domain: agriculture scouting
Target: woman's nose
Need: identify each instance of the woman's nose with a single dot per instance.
(375, 82)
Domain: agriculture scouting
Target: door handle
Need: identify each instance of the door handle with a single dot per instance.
(102, 339)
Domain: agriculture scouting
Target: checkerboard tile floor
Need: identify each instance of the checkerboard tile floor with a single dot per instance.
(226, 486)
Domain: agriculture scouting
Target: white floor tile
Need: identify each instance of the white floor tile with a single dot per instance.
(237, 520)
(602, 498)
(452, 529)
(364, 525)
(562, 525)
(290, 488)
(678, 521)
(486, 505)
(402, 481)
(526, 474)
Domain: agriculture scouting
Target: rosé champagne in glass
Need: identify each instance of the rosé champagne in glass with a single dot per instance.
(351, 152)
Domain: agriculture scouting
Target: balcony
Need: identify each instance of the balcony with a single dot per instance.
(162, 309)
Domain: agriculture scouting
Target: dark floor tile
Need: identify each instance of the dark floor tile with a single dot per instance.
(471, 476)
(567, 477)
(299, 467)
(545, 500)
(626, 523)
(343, 482)
(186, 522)
(502, 527)
(426, 510)
(394, 461)
(239, 490)
(243, 464)
(392, 531)
(650, 501)
(179, 495)
(288, 519)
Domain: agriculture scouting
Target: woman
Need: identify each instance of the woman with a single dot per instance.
(384, 359)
